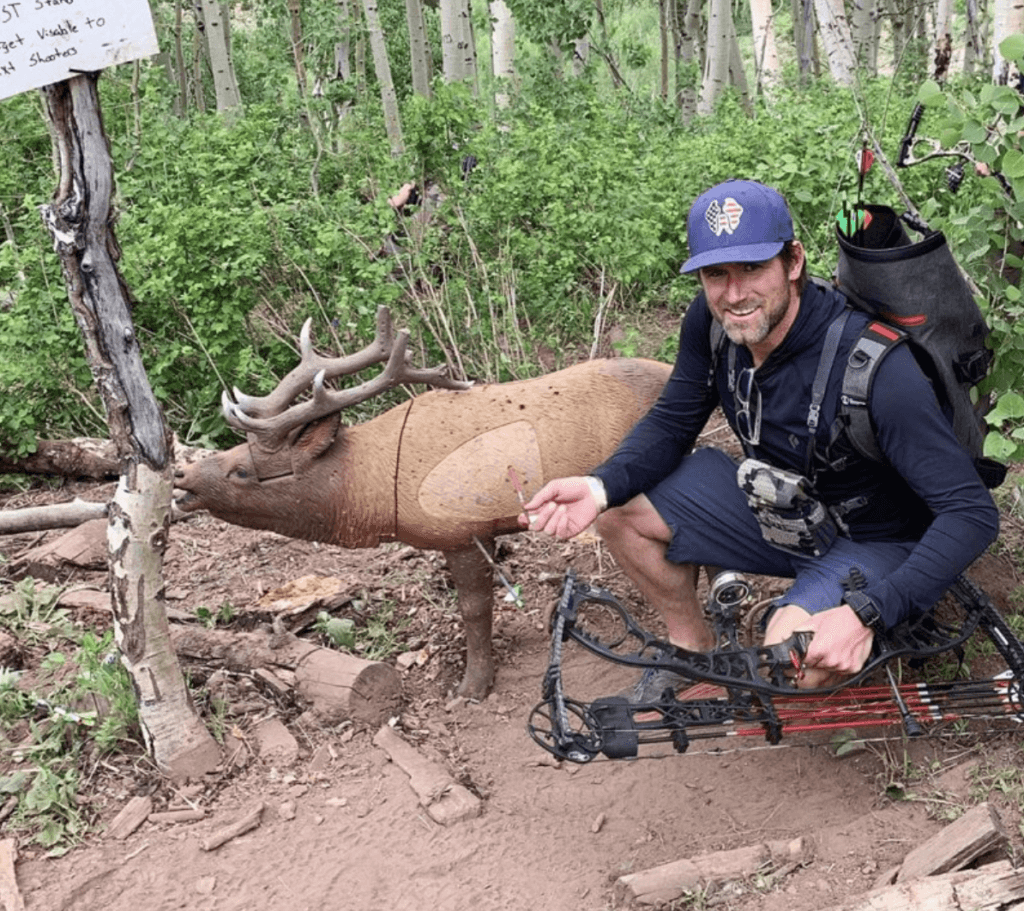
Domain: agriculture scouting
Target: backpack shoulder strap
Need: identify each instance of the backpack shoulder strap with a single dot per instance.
(718, 342)
(874, 342)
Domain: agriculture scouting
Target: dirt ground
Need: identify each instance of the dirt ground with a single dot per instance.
(342, 828)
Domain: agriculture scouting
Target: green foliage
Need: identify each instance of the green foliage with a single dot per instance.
(340, 632)
(573, 199)
(980, 125)
(221, 617)
(79, 707)
(374, 633)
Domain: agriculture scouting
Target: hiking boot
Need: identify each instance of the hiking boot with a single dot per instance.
(652, 683)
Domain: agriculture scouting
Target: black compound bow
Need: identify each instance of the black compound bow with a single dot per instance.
(740, 690)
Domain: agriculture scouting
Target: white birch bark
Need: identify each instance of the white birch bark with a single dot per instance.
(836, 39)
(382, 66)
(419, 48)
(1007, 19)
(503, 51)
(225, 84)
(766, 55)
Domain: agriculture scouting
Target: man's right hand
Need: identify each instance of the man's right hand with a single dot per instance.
(561, 508)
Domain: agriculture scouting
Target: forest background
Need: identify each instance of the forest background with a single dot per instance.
(253, 179)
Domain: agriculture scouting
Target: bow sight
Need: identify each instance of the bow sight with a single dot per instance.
(738, 689)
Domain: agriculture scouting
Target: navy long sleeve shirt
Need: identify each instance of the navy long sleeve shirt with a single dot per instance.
(928, 492)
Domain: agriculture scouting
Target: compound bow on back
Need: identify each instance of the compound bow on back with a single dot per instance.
(737, 690)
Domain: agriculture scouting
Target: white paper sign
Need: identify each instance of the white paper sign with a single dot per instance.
(47, 41)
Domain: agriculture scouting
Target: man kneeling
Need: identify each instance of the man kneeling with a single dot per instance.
(881, 541)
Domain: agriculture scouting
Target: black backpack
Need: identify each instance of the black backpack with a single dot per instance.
(919, 295)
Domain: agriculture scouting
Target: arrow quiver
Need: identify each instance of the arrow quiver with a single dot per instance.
(743, 690)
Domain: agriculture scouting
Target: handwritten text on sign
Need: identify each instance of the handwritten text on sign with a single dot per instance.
(46, 41)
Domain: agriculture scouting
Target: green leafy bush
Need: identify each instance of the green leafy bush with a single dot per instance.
(571, 202)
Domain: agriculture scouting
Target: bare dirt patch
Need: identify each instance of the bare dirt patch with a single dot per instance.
(342, 828)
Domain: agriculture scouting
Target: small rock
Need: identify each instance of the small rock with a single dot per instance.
(321, 759)
(206, 884)
(276, 742)
(287, 810)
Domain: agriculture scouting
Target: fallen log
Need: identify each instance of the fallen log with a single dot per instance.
(670, 881)
(445, 800)
(341, 687)
(133, 814)
(82, 548)
(994, 887)
(248, 822)
(974, 834)
(82, 458)
(41, 518)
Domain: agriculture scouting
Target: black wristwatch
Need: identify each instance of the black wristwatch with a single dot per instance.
(866, 610)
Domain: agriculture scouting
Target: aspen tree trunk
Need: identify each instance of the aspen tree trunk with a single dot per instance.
(766, 55)
(974, 38)
(898, 27)
(719, 53)
(470, 38)
(348, 10)
(79, 219)
(834, 29)
(382, 66)
(864, 32)
(225, 85)
(181, 75)
(200, 56)
(1007, 19)
(663, 31)
(503, 51)
(343, 47)
(737, 73)
(580, 55)
(295, 24)
(942, 46)
(419, 48)
(803, 39)
(458, 50)
(688, 55)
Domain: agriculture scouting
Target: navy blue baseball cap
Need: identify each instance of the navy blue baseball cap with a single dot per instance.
(739, 221)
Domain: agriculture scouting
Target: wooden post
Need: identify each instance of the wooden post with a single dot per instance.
(79, 219)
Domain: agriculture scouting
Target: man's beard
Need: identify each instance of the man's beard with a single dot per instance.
(754, 334)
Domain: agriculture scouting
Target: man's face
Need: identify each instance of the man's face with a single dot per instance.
(754, 302)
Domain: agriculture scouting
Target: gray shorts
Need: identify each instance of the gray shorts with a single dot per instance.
(712, 525)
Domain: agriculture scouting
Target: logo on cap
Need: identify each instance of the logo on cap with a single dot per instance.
(724, 218)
